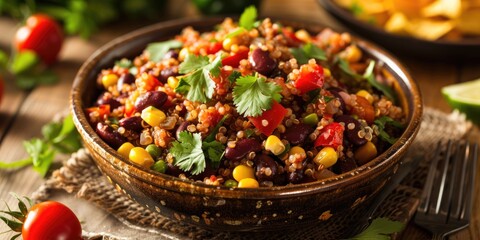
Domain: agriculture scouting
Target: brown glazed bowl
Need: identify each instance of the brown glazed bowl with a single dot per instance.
(332, 205)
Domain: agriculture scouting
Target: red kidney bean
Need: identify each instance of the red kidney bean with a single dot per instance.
(351, 134)
(166, 73)
(175, 170)
(127, 78)
(107, 99)
(154, 98)
(242, 148)
(335, 93)
(109, 135)
(131, 123)
(262, 62)
(297, 133)
(172, 53)
(265, 167)
(344, 165)
(182, 127)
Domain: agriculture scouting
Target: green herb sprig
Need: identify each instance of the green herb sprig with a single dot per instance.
(252, 95)
(307, 52)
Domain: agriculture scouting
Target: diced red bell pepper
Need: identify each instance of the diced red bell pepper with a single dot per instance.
(270, 119)
(330, 136)
(310, 78)
(234, 60)
(292, 40)
(102, 110)
(214, 47)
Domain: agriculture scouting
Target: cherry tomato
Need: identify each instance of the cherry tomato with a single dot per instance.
(51, 220)
(330, 136)
(364, 110)
(234, 60)
(42, 35)
(310, 78)
(270, 119)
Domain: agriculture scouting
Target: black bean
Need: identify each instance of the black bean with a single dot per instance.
(296, 177)
(155, 99)
(166, 73)
(107, 99)
(344, 165)
(174, 170)
(172, 53)
(110, 135)
(127, 78)
(262, 62)
(335, 93)
(131, 123)
(351, 134)
(265, 167)
(182, 127)
(297, 133)
(242, 148)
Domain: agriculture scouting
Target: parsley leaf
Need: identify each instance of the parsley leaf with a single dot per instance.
(157, 50)
(308, 51)
(253, 95)
(382, 123)
(188, 152)
(380, 229)
(215, 151)
(248, 17)
(198, 83)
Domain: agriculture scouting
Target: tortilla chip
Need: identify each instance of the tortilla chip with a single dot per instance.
(469, 22)
(447, 8)
(397, 23)
(429, 29)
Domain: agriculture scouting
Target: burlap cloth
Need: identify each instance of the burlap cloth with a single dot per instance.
(80, 177)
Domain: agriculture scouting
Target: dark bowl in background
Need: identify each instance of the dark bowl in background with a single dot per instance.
(332, 205)
(439, 50)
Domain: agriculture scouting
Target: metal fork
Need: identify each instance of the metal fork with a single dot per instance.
(446, 202)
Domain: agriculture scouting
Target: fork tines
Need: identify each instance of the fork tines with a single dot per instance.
(447, 195)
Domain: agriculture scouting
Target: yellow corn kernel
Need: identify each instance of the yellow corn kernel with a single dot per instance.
(124, 150)
(365, 153)
(141, 157)
(297, 150)
(248, 183)
(303, 35)
(228, 43)
(274, 145)
(153, 116)
(326, 72)
(327, 157)
(242, 171)
(366, 95)
(353, 53)
(172, 82)
(109, 80)
(182, 54)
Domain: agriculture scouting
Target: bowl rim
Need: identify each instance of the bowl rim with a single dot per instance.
(182, 185)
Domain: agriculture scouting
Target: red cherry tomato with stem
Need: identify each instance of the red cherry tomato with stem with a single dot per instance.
(42, 35)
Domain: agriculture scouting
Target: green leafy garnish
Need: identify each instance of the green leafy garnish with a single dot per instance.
(382, 123)
(23, 61)
(214, 132)
(233, 76)
(248, 18)
(57, 137)
(157, 50)
(380, 229)
(369, 76)
(198, 84)
(253, 95)
(124, 63)
(307, 52)
(189, 152)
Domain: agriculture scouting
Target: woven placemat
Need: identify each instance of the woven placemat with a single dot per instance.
(80, 177)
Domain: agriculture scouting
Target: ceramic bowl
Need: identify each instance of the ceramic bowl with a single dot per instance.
(333, 205)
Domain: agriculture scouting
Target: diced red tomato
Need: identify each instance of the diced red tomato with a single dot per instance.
(270, 119)
(292, 40)
(129, 108)
(147, 82)
(330, 136)
(311, 78)
(214, 47)
(102, 110)
(234, 60)
(363, 109)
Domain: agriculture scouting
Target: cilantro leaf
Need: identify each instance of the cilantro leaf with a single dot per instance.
(382, 123)
(188, 152)
(40, 153)
(214, 132)
(124, 63)
(215, 151)
(248, 17)
(253, 95)
(157, 50)
(233, 76)
(380, 229)
(307, 52)
(198, 84)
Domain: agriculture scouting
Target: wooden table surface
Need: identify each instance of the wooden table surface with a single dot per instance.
(23, 113)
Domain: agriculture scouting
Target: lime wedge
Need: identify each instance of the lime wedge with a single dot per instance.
(465, 97)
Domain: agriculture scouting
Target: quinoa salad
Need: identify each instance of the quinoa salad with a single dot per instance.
(251, 104)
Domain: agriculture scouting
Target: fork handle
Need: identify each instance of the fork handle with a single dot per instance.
(437, 236)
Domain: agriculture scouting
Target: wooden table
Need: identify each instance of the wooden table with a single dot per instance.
(23, 113)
